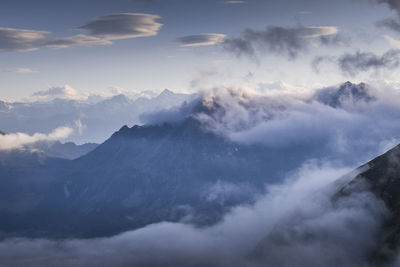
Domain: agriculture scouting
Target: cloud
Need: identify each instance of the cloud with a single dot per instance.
(347, 123)
(234, 2)
(19, 70)
(19, 140)
(64, 92)
(80, 39)
(102, 31)
(123, 26)
(28, 40)
(393, 4)
(203, 39)
(294, 224)
(390, 23)
(286, 41)
(352, 64)
(393, 42)
(21, 40)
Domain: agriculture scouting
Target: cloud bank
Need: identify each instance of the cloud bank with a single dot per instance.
(350, 122)
(294, 224)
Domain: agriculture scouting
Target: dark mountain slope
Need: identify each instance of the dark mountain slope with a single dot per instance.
(382, 178)
(143, 175)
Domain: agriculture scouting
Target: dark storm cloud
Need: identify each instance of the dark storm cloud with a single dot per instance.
(286, 41)
(123, 26)
(352, 64)
(201, 39)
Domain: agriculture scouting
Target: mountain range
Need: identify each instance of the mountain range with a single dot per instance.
(95, 117)
(179, 170)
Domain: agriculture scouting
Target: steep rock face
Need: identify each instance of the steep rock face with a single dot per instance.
(382, 178)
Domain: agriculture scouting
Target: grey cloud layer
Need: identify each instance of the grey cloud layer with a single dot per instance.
(201, 39)
(101, 31)
(281, 40)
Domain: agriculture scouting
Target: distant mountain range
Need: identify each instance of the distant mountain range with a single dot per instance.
(67, 150)
(96, 118)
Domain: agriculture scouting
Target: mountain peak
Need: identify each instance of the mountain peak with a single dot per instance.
(347, 92)
(166, 92)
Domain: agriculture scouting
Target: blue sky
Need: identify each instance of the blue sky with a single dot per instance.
(159, 61)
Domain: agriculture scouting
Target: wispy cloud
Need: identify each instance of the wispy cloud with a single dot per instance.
(352, 64)
(393, 42)
(19, 70)
(203, 39)
(64, 92)
(234, 2)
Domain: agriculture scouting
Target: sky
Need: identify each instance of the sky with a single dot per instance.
(189, 45)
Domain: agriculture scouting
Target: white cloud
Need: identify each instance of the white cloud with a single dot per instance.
(19, 140)
(64, 92)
